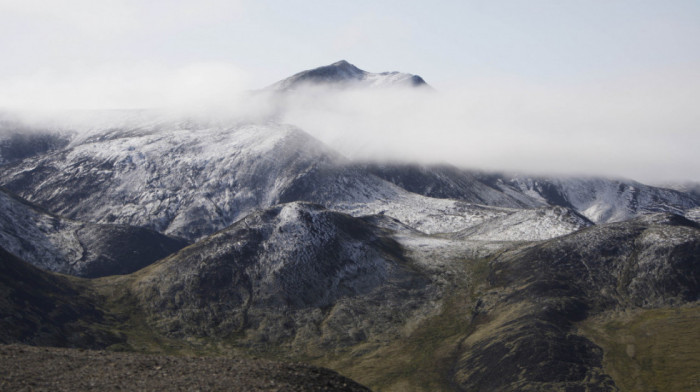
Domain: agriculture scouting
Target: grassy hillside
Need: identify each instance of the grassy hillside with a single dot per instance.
(651, 349)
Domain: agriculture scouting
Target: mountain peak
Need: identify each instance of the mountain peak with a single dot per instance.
(341, 63)
(342, 73)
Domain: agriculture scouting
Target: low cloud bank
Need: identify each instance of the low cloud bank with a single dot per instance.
(645, 131)
(644, 127)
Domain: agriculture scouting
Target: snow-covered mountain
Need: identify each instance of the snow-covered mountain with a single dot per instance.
(604, 200)
(598, 199)
(190, 182)
(397, 274)
(181, 181)
(344, 74)
(191, 178)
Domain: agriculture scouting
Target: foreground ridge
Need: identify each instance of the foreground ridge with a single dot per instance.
(59, 369)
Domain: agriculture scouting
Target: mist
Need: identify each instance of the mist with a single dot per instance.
(642, 127)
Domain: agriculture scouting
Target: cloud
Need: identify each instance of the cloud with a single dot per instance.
(643, 127)
(139, 86)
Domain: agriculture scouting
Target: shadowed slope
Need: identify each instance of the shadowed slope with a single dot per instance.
(41, 308)
(77, 248)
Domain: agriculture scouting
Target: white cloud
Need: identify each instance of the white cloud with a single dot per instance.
(644, 127)
(124, 87)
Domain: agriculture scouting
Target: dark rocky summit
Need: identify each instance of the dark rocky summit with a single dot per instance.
(344, 74)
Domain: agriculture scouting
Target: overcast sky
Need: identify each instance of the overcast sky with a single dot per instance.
(619, 78)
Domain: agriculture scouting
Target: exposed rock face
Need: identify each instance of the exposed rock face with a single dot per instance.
(295, 273)
(76, 248)
(41, 308)
(539, 291)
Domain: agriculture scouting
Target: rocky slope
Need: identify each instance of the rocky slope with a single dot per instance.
(538, 292)
(295, 276)
(77, 248)
(526, 225)
(52, 369)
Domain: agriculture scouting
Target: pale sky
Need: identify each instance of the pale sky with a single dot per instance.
(582, 69)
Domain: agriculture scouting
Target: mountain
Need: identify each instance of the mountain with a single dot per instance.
(290, 275)
(190, 182)
(19, 141)
(301, 281)
(604, 200)
(599, 199)
(344, 74)
(77, 248)
(538, 293)
(179, 181)
(401, 276)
